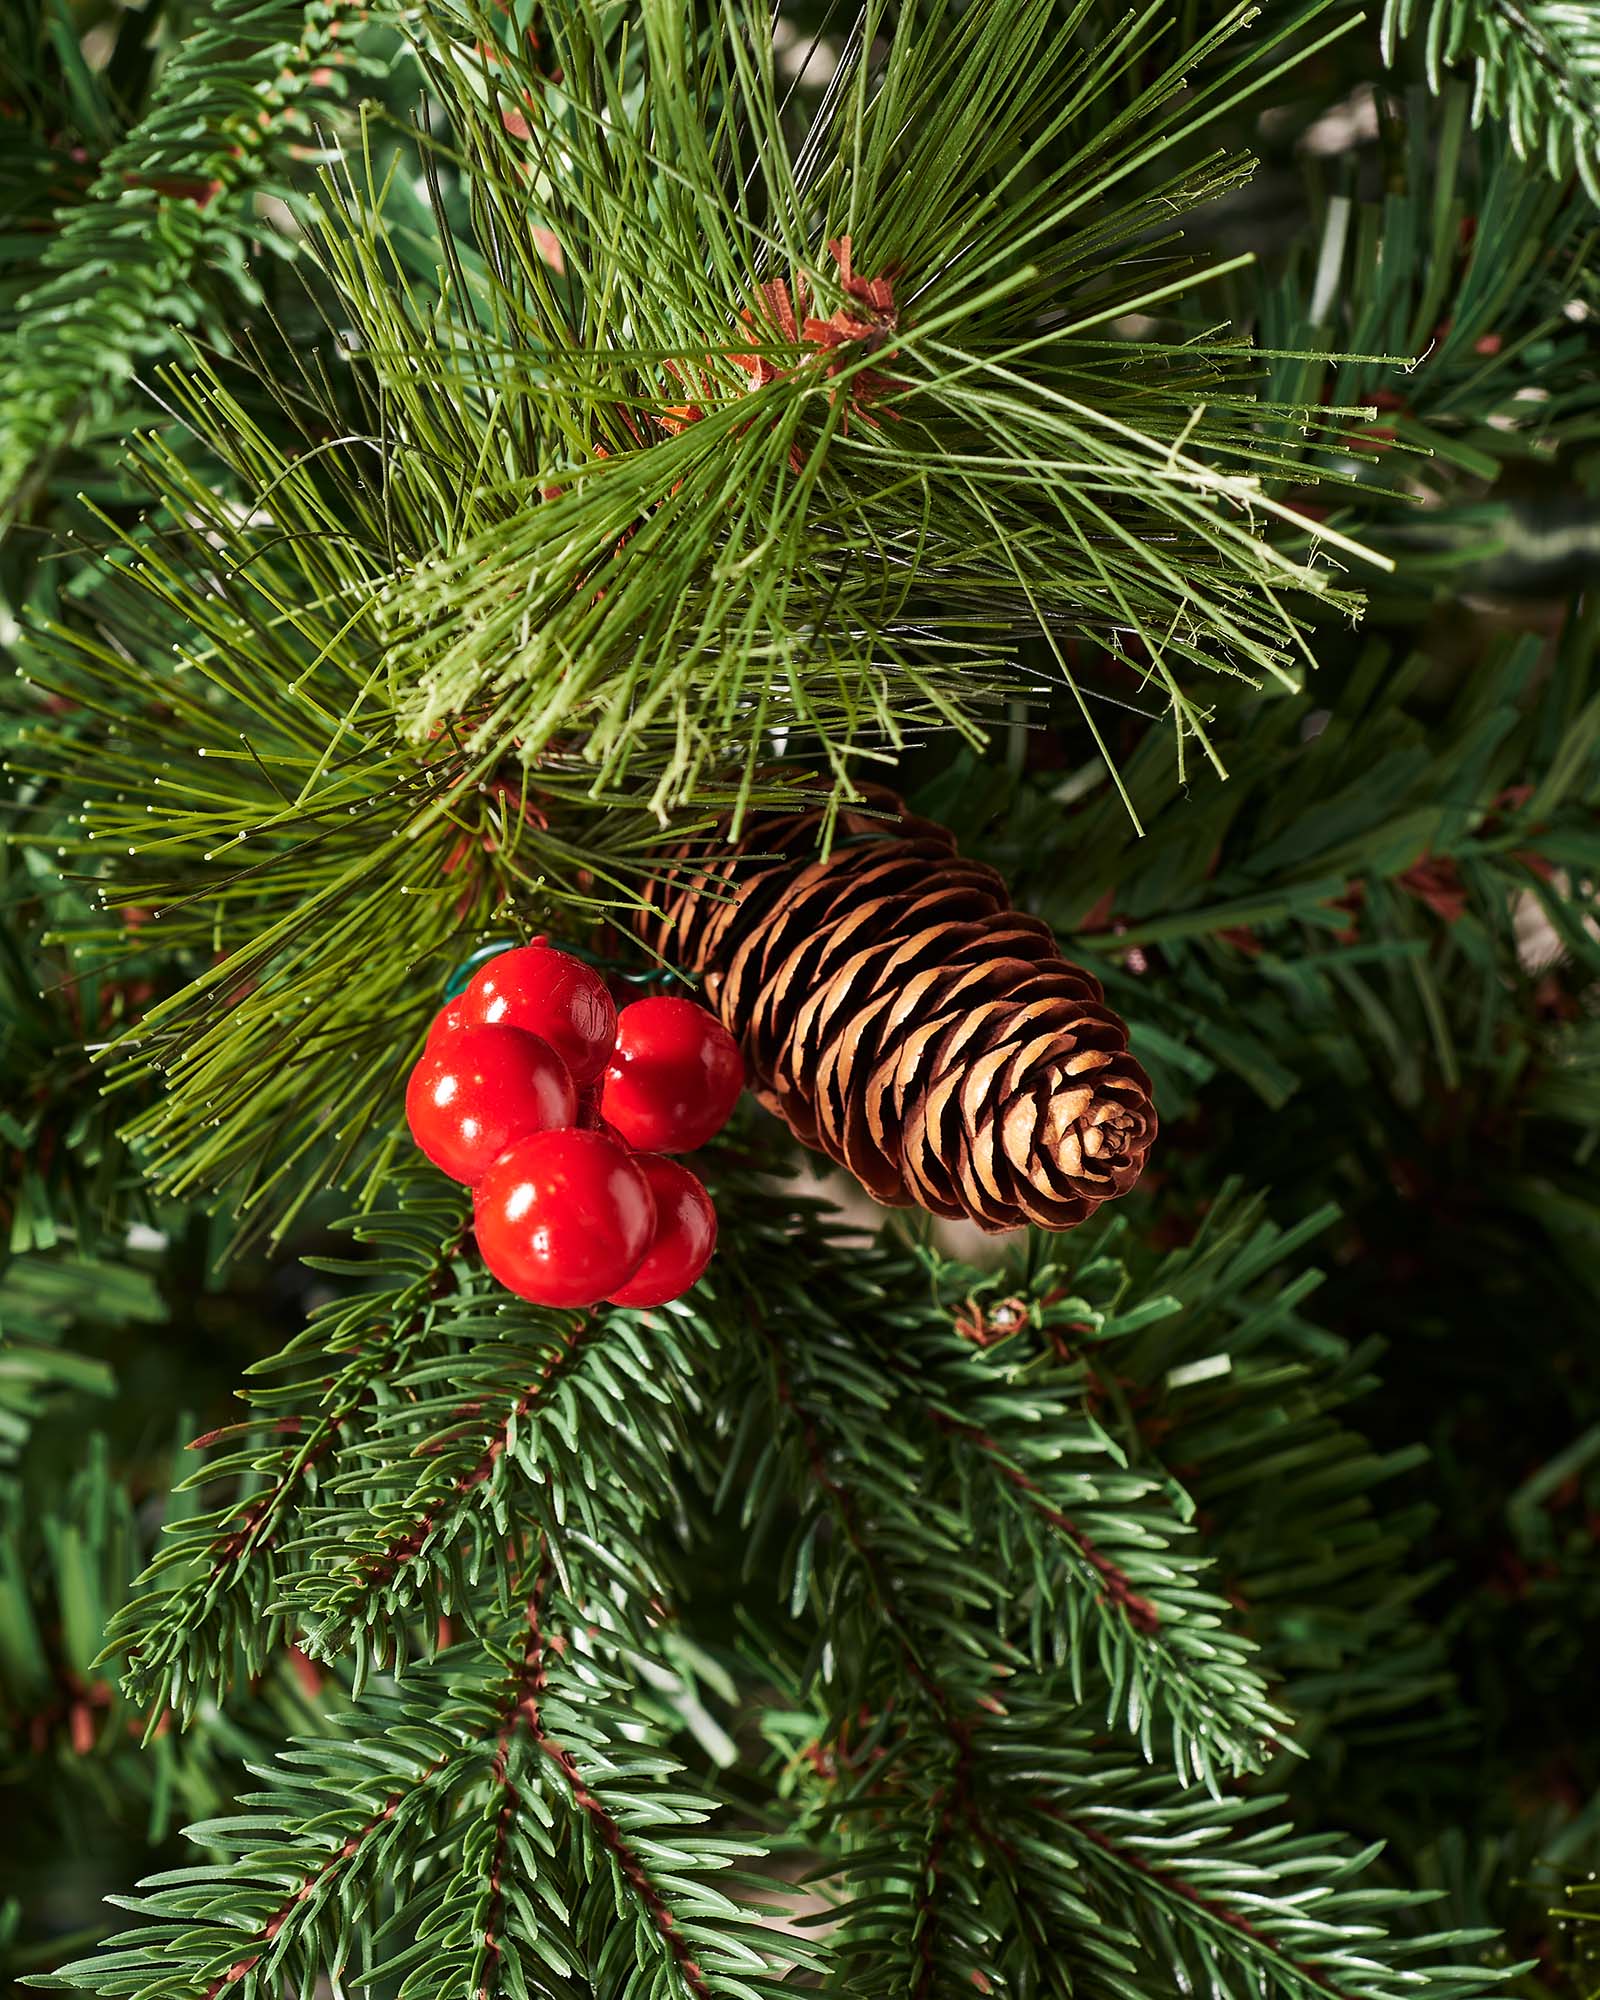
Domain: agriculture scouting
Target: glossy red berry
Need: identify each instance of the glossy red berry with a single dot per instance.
(685, 1235)
(674, 1076)
(563, 1218)
(547, 992)
(474, 1092)
(448, 1021)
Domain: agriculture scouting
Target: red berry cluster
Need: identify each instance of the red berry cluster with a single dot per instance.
(558, 1112)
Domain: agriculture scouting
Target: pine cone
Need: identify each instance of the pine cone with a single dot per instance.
(902, 1018)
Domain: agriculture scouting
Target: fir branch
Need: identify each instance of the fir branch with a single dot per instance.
(1286, 1490)
(236, 106)
(1123, 1878)
(566, 1428)
(866, 1391)
(1205, 1893)
(533, 1688)
(344, 1819)
(207, 1599)
(1039, 1473)
(1537, 68)
(348, 1861)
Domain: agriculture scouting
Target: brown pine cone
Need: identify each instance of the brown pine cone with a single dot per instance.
(902, 1018)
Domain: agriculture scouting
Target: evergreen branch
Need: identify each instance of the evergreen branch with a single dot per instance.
(345, 1818)
(505, 597)
(255, 859)
(1286, 1490)
(344, 1856)
(1022, 1444)
(72, 1538)
(237, 105)
(1537, 68)
(1468, 359)
(1123, 1878)
(1207, 1894)
(867, 1391)
(790, 535)
(631, 1869)
(565, 1427)
(209, 1595)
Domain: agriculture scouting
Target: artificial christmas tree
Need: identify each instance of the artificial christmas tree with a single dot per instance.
(863, 512)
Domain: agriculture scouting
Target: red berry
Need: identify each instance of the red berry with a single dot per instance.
(548, 993)
(448, 1021)
(474, 1092)
(674, 1076)
(685, 1235)
(563, 1218)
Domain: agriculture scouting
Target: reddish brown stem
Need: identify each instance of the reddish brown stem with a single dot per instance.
(526, 1712)
(1176, 1885)
(335, 1861)
(380, 1568)
(1141, 1614)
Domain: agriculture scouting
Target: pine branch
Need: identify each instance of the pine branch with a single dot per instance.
(233, 811)
(398, 641)
(764, 456)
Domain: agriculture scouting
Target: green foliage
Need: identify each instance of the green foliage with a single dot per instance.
(1361, 972)
(1364, 874)
(39, 1299)
(76, 1527)
(505, 1824)
(1454, 305)
(768, 560)
(252, 846)
(212, 1602)
(169, 211)
(64, 1169)
(407, 503)
(1007, 1501)
(1537, 67)
(504, 1767)
(872, 1621)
